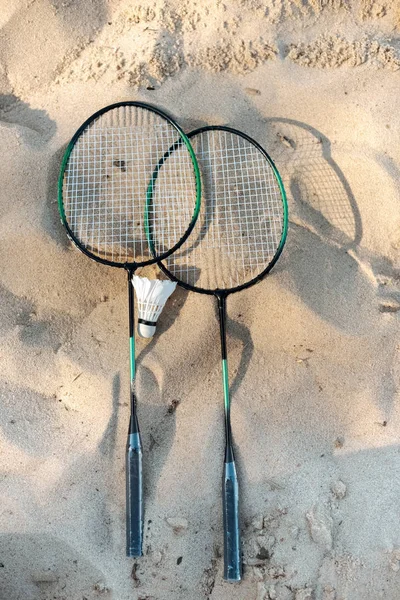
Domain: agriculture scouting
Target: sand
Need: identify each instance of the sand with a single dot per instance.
(313, 349)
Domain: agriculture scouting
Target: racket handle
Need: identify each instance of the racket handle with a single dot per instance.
(230, 499)
(134, 495)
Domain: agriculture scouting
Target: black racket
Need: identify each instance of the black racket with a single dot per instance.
(115, 188)
(238, 237)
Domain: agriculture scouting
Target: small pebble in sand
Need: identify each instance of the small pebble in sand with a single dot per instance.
(286, 141)
(121, 164)
(320, 524)
(339, 442)
(263, 554)
(252, 91)
(339, 489)
(304, 594)
(389, 307)
(178, 524)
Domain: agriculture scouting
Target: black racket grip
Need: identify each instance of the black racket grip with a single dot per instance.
(134, 496)
(230, 499)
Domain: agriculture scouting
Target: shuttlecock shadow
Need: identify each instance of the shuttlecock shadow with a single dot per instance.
(156, 408)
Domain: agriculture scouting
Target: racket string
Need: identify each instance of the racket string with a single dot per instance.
(106, 185)
(241, 218)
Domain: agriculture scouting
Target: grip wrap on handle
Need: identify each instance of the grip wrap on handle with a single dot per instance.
(134, 496)
(230, 499)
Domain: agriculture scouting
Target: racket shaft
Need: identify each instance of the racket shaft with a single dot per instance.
(230, 486)
(134, 455)
(134, 495)
(230, 498)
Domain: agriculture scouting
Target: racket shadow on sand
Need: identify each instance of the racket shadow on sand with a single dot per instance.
(325, 224)
(321, 192)
(327, 232)
(240, 333)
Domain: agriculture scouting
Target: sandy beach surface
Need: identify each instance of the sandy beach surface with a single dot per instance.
(313, 349)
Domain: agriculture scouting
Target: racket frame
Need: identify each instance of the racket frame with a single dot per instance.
(238, 288)
(135, 264)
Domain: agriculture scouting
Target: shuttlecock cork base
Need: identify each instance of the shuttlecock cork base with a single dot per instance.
(146, 329)
(151, 295)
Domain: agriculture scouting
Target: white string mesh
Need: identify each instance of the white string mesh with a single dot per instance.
(106, 181)
(241, 219)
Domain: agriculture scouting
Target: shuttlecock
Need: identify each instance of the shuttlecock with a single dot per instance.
(151, 295)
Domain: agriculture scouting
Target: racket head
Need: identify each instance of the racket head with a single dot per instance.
(115, 180)
(243, 221)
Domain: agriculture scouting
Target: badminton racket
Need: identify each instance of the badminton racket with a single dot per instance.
(116, 188)
(238, 237)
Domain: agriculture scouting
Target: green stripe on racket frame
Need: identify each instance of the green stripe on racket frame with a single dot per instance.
(238, 237)
(114, 186)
